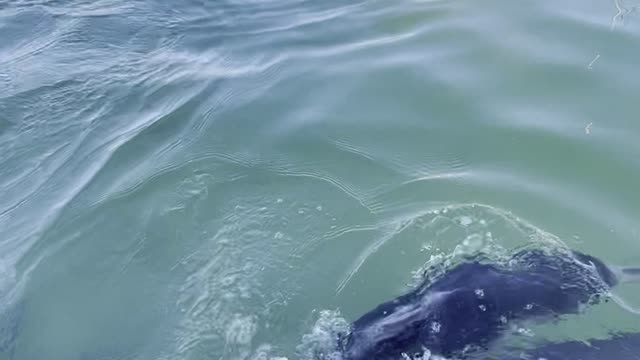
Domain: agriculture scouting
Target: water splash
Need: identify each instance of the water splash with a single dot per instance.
(322, 342)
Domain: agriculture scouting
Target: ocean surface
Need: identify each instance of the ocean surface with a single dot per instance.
(239, 179)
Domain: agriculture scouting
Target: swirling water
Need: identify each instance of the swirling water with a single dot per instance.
(217, 179)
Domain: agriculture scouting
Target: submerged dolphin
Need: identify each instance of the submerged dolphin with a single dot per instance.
(472, 304)
(624, 346)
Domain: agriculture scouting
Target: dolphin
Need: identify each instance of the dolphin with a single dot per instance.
(622, 346)
(472, 304)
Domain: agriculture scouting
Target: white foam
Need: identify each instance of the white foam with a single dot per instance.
(323, 337)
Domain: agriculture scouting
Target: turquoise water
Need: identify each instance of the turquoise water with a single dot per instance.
(238, 179)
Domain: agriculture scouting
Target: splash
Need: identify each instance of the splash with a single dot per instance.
(322, 342)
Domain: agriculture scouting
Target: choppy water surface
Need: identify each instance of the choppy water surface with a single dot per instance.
(238, 179)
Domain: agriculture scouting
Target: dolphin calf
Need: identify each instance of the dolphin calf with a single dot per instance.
(470, 305)
(624, 346)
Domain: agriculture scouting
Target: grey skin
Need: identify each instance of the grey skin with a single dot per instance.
(472, 304)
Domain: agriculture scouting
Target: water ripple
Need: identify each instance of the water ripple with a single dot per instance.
(226, 168)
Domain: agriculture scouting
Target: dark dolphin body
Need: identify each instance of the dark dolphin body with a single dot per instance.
(471, 304)
(625, 346)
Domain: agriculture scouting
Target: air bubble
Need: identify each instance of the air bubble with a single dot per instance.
(525, 332)
(435, 327)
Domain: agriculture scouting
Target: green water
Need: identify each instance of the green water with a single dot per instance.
(235, 179)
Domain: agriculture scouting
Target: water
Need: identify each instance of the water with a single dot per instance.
(239, 179)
